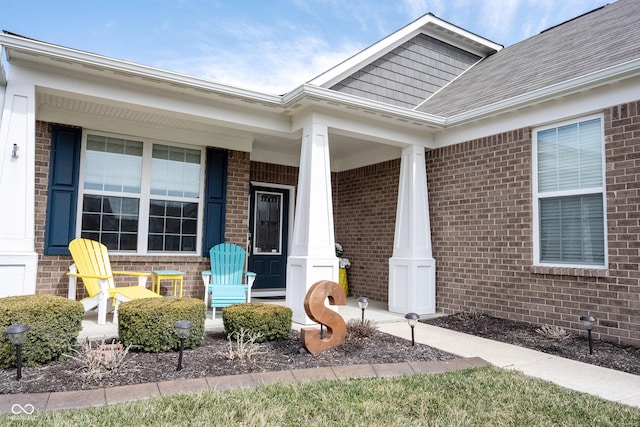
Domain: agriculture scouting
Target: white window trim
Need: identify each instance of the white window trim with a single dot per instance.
(145, 195)
(536, 196)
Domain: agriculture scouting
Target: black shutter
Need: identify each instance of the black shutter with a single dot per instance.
(62, 200)
(215, 199)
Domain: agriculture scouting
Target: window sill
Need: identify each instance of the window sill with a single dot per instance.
(570, 271)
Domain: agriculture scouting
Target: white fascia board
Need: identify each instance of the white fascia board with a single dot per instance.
(332, 96)
(64, 54)
(427, 24)
(588, 81)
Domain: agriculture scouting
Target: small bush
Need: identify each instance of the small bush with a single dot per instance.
(553, 332)
(358, 328)
(147, 324)
(54, 323)
(271, 321)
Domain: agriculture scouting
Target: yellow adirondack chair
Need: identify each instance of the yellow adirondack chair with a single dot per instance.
(91, 264)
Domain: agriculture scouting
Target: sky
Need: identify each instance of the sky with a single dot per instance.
(270, 46)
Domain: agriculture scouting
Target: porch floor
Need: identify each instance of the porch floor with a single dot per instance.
(376, 311)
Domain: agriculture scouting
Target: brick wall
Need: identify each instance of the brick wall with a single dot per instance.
(237, 218)
(364, 203)
(51, 276)
(274, 174)
(480, 204)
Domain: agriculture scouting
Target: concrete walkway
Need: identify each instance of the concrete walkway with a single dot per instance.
(472, 351)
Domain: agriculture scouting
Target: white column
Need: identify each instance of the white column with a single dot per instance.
(412, 269)
(18, 260)
(313, 256)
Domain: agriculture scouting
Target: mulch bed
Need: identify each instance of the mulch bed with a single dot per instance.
(621, 357)
(210, 359)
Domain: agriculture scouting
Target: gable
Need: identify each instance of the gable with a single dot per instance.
(410, 73)
(599, 40)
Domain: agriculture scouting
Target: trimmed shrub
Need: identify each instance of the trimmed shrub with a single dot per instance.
(272, 321)
(54, 323)
(147, 324)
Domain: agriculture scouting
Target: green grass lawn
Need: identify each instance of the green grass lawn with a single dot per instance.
(477, 397)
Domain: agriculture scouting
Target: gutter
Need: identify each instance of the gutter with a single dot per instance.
(67, 55)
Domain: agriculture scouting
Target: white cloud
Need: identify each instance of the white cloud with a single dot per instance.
(273, 66)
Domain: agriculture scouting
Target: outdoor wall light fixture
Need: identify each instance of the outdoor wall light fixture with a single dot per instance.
(183, 329)
(17, 334)
(14, 152)
(363, 302)
(412, 320)
(588, 322)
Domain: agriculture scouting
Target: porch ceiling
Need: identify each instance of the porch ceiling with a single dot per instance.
(347, 151)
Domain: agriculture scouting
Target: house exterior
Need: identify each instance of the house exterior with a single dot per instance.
(457, 175)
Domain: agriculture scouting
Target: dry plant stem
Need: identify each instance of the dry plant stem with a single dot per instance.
(99, 361)
(246, 348)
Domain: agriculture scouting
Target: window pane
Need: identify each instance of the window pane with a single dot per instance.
(113, 164)
(572, 229)
(171, 227)
(112, 221)
(175, 171)
(570, 157)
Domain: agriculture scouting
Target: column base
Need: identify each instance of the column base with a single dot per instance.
(302, 273)
(412, 285)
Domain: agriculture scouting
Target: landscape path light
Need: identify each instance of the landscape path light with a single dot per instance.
(17, 334)
(589, 322)
(363, 302)
(183, 329)
(412, 320)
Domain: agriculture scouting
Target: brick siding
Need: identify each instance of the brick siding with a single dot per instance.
(481, 218)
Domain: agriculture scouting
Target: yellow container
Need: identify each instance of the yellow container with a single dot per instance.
(342, 280)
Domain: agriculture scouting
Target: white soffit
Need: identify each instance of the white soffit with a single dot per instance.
(427, 24)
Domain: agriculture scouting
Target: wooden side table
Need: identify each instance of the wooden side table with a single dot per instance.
(174, 275)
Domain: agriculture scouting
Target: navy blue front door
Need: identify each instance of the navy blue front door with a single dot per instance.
(268, 225)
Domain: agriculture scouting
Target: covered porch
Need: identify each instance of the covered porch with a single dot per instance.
(358, 173)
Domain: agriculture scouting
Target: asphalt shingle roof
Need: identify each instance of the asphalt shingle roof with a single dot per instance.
(595, 41)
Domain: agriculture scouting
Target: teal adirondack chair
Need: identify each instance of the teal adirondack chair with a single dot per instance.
(223, 283)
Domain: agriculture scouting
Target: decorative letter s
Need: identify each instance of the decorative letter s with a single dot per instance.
(318, 312)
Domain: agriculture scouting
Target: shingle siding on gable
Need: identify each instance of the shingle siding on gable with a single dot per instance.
(410, 73)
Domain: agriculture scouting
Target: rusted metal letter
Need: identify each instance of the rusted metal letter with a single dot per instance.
(318, 312)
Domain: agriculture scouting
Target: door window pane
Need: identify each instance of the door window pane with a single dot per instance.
(268, 223)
